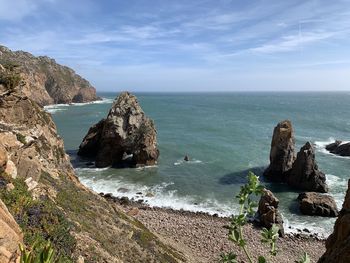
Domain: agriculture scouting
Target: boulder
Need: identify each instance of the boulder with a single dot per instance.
(316, 204)
(282, 152)
(268, 213)
(127, 137)
(339, 148)
(304, 174)
(338, 243)
(10, 236)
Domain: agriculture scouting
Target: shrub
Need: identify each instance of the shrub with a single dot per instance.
(10, 80)
(40, 220)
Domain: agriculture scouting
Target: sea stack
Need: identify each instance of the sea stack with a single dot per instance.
(282, 154)
(338, 243)
(304, 174)
(127, 137)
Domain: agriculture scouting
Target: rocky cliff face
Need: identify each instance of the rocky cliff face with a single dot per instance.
(126, 137)
(282, 154)
(338, 243)
(38, 185)
(47, 82)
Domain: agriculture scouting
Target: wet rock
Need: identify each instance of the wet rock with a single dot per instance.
(149, 194)
(339, 148)
(282, 152)
(304, 174)
(316, 204)
(126, 131)
(268, 213)
(338, 243)
(186, 158)
(124, 201)
(123, 190)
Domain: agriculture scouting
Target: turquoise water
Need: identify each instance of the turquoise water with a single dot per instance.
(225, 135)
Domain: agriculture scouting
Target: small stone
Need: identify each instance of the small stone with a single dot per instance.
(149, 194)
(10, 187)
(133, 212)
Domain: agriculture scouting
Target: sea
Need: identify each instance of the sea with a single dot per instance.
(225, 135)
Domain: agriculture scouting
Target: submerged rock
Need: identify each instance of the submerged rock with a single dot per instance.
(316, 204)
(339, 148)
(282, 152)
(338, 243)
(268, 211)
(126, 131)
(305, 174)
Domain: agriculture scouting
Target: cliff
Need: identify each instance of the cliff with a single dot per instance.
(41, 191)
(47, 82)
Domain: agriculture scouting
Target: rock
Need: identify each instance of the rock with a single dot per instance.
(149, 194)
(282, 154)
(126, 131)
(316, 204)
(123, 190)
(80, 259)
(10, 236)
(3, 159)
(30, 183)
(133, 212)
(339, 148)
(304, 174)
(11, 169)
(124, 201)
(47, 82)
(10, 187)
(268, 213)
(338, 243)
(186, 158)
(332, 146)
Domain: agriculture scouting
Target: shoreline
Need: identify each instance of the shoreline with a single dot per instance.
(204, 236)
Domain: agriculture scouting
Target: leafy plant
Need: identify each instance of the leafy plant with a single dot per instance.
(45, 254)
(247, 209)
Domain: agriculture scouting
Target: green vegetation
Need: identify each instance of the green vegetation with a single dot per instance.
(10, 78)
(40, 220)
(21, 138)
(45, 254)
(247, 209)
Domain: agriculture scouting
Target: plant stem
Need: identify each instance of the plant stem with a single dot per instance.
(241, 234)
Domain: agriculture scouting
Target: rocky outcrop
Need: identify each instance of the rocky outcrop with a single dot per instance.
(339, 148)
(268, 213)
(282, 152)
(316, 204)
(126, 137)
(88, 226)
(304, 174)
(10, 236)
(338, 243)
(47, 82)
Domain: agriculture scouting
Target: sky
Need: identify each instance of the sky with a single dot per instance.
(188, 45)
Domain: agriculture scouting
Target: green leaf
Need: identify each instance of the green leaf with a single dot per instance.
(304, 259)
(261, 259)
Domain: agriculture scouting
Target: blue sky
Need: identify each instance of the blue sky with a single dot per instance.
(163, 45)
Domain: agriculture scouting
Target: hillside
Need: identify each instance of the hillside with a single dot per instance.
(47, 82)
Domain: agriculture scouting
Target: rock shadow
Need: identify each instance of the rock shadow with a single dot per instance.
(240, 177)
